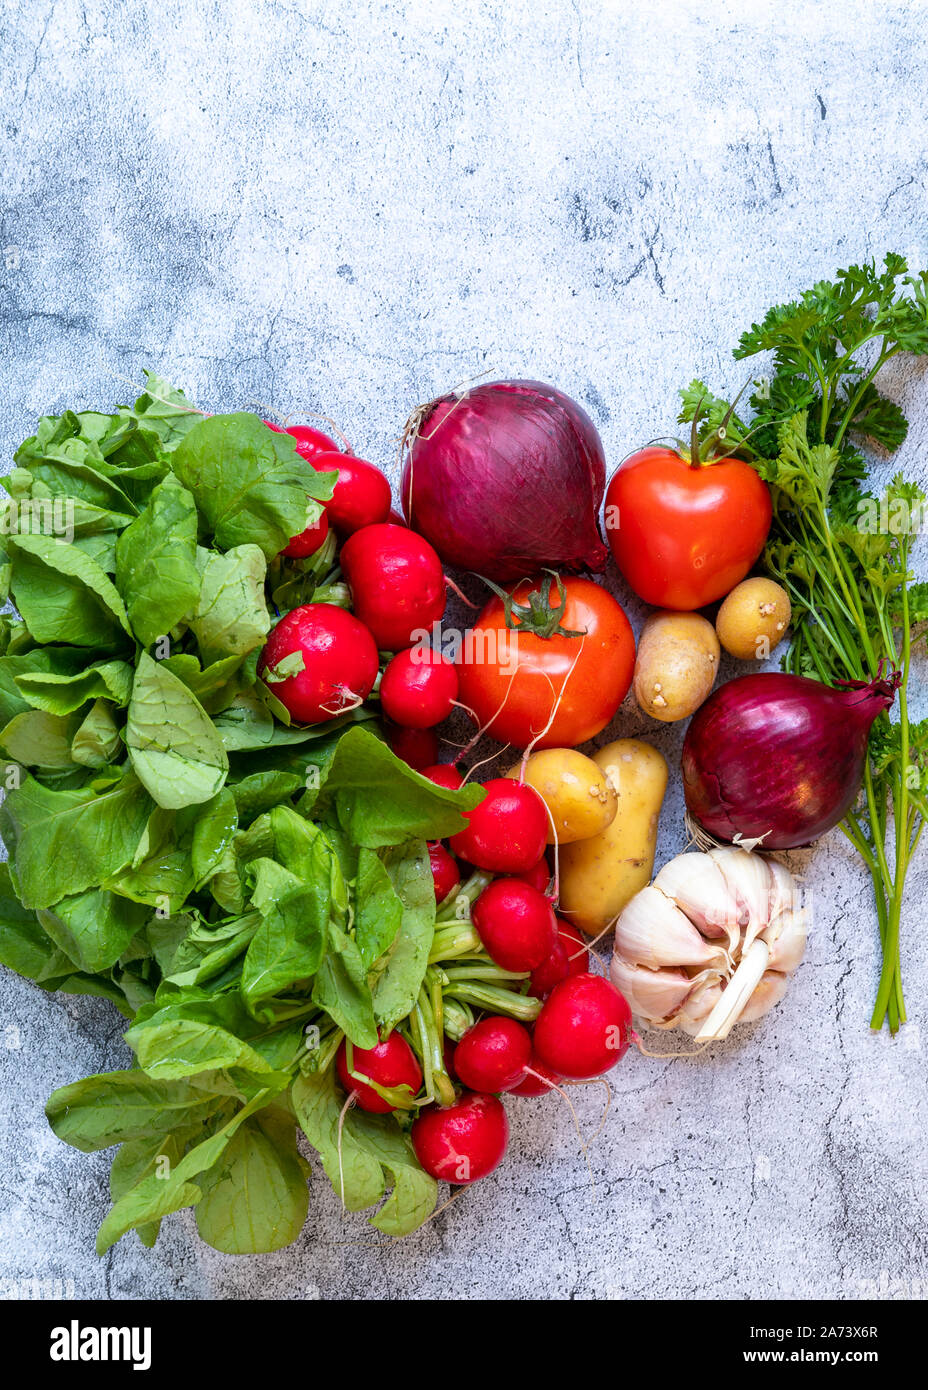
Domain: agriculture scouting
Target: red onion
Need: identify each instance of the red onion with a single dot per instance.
(779, 757)
(507, 480)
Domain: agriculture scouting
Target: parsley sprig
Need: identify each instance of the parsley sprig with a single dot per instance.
(842, 551)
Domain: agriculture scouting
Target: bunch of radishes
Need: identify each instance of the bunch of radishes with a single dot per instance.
(323, 661)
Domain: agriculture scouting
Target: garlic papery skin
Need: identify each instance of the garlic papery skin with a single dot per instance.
(653, 932)
(697, 885)
(670, 962)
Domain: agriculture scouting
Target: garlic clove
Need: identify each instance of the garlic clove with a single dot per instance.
(707, 990)
(768, 992)
(750, 882)
(697, 885)
(786, 937)
(784, 895)
(653, 995)
(652, 931)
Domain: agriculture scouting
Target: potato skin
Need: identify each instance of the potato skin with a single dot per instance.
(573, 788)
(676, 665)
(598, 876)
(753, 619)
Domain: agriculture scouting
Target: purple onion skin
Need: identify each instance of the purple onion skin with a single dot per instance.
(779, 756)
(507, 481)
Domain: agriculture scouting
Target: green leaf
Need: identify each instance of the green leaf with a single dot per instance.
(355, 1164)
(181, 1047)
(156, 570)
(61, 692)
(86, 836)
(378, 908)
(97, 743)
(93, 928)
(231, 617)
(381, 801)
(24, 945)
(139, 1158)
(249, 483)
(161, 873)
(63, 661)
(401, 975)
(255, 1199)
(164, 410)
(354, 1172)
(414, 1193)
(174, 746)
(117, 1106)
(64, 595)
(37, 739)
(260, 791)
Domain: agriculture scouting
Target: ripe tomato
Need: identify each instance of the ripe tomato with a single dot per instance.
(512, 678)
(684, 536)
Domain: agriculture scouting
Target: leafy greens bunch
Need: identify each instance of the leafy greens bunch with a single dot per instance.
(842, 551)
(247, 893)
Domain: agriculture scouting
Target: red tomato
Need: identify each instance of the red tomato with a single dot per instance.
(684, 536)
(513, 678)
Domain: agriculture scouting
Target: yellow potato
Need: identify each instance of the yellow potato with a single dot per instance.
(753, 619)
(676, 664)
(574, 790)
(598, 876)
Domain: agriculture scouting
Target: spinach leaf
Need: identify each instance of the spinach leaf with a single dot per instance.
(164, 411)
(138, 1158)
(255, 1199)
(173, 744)
(64, 595)
(61, 692)
(181, 1047)
(37, 739)
(403, 970)
(369, 1145)
(156, 570)
(231, 617)
(116, 1106)
(381, 801)
(250, 484)
(97, 740)
(378, 908)
(63, 841)
(93, 928)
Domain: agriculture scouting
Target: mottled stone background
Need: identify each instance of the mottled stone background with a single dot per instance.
(350, 208)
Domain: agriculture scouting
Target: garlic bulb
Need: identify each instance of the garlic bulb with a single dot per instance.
(713, 940)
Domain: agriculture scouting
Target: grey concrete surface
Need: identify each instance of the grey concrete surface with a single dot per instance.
(351, 207)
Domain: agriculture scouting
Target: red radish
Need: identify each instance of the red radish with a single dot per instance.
(309, 441)
(463, 1142)
(444, 775)
(391, 1064)
(575, 946)
(570, 956)
(361, 496)
(339, 662)
(396, 581)
(553, 969)
(515, 923)
(507, 832)
(493, 1055)
(419, 688)
(444, 870)
(539, 875)
(583, 1028)
(417, 747)
(308, 541)
(539, 1084)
